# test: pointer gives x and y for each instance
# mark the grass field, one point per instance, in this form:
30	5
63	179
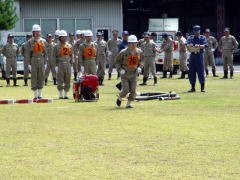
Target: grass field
197	137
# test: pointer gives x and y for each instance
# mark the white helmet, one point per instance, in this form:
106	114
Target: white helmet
79	32
83	32
57	32
62	33
132	38
88	33
36	27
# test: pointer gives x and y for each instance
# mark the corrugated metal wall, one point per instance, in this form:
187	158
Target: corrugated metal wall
104	13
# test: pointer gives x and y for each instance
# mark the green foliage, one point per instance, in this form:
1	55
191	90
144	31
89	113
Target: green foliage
8	16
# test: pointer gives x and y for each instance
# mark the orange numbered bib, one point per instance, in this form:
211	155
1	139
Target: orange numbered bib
38	47
64	51
132	60
89	52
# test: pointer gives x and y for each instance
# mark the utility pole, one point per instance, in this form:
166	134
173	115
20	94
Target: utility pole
220	17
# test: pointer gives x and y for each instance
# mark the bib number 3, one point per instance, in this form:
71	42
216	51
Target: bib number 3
89	52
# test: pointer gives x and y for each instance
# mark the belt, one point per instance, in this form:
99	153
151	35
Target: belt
227	49
149	56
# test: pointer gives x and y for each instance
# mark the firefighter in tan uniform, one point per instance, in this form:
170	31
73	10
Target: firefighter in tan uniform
36	57
101	57
149	53
56	36
71	39
141	41
113	52
129	64
50	65
87	54
227	45
23	52
182	54
209	52
10	51
167	48
63	59
80	40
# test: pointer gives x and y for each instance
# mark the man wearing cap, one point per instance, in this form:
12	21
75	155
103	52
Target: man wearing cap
167	48
196	44
101	46
23	52
10	51
153	37
209	52
71	39
87	54
182	54
63	59
227	45
80	40
113	51
149	52
36	57
141	41
50	65
129	64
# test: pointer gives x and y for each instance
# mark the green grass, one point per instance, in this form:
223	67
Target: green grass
197	137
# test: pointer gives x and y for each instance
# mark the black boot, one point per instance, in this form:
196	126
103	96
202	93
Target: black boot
214	73
25	82
15	82
192	89
75	76
225	75
164	75
170	75
155	79
46	80
202	87
206	72
182	75
144	81
102	81
8	82
231	74
109	76
119	86
54	81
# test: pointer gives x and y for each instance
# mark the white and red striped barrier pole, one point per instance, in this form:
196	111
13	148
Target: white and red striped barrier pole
7	101
24	101
47	100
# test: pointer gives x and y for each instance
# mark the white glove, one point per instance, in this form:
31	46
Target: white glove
82	69
56	69
139	70
29	67
213	50
45	66
96	66
122	72
109	53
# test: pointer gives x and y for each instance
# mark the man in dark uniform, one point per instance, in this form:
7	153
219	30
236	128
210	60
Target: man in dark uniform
195	44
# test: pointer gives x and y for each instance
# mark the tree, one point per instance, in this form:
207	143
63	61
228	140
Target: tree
8	15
